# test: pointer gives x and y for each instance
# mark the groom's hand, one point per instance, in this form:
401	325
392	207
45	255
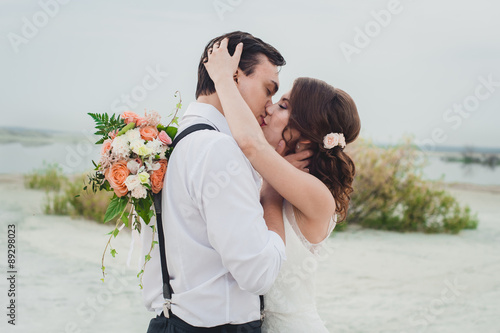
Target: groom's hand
221	65
299	159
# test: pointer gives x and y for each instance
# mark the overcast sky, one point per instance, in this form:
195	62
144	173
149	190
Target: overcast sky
423	68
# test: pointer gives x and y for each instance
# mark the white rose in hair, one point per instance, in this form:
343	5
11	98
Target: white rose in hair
331	140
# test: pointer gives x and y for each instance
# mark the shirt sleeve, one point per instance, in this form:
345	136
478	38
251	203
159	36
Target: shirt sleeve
228	195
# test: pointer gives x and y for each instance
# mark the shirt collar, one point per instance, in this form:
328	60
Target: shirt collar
210	113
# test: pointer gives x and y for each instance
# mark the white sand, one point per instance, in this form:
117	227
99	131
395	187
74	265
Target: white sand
372	281
377	281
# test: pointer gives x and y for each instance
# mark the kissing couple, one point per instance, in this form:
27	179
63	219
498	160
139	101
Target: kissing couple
252	191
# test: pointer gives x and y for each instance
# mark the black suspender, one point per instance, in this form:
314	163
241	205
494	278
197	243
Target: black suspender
189	130
167	287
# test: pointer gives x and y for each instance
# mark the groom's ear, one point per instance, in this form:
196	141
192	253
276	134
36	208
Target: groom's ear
236	76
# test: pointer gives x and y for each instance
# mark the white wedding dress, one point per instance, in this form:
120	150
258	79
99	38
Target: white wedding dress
290	303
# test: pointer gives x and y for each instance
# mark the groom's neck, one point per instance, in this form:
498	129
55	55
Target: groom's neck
213	100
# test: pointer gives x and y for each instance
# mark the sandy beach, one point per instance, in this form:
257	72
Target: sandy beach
368	280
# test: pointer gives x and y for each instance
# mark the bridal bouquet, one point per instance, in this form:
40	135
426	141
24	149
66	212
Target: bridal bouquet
132	165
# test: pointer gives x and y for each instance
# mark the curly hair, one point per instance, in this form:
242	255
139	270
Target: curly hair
318	109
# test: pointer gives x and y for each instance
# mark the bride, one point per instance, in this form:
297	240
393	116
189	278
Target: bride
314	117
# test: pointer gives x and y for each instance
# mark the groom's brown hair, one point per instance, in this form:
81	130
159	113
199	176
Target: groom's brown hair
252	48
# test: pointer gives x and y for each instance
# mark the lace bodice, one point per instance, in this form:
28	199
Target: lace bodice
290	304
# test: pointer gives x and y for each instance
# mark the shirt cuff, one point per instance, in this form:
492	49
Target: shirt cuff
278	243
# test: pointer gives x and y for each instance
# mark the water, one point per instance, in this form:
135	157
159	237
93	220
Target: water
72	157
76	158
453	172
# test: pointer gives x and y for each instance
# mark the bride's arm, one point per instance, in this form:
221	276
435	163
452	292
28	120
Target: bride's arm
302	190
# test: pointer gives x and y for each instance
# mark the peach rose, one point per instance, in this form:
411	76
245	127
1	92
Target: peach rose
157	176
130	117
141	122
106	146
148	133
163	137
116	176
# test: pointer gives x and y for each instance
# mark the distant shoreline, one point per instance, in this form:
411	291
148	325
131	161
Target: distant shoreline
494	189
38	137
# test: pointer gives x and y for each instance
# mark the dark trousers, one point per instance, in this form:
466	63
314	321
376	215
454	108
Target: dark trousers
174	324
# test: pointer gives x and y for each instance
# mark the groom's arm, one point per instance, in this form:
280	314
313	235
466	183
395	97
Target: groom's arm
225	189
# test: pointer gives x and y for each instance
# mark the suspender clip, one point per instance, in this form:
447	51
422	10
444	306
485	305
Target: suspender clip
166	308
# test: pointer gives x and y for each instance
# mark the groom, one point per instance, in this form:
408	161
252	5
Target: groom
221	255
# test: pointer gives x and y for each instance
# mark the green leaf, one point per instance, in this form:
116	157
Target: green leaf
142	207
147	257
113	252
115	232
171	131
116	207
125	129
125	220
142	271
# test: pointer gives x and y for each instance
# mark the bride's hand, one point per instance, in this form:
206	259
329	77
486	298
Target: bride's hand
300	159
220	64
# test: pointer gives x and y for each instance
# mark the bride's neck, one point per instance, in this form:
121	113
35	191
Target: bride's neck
213	100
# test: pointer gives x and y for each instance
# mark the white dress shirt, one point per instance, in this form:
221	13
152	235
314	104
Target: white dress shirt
220	253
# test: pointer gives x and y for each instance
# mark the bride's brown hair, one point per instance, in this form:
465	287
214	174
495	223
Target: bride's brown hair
318	109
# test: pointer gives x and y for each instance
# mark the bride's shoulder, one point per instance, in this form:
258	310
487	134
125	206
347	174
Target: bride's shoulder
314	231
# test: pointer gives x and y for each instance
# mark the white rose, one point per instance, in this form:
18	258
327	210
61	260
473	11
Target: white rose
140	192
133	166
136	145
133	135
120	147
132	182
154	145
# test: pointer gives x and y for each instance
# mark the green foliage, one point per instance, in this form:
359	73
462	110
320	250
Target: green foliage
49	177
115	208
72	200
171	131
105	124
391	194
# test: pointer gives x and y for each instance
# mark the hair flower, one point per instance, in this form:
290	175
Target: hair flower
334	139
